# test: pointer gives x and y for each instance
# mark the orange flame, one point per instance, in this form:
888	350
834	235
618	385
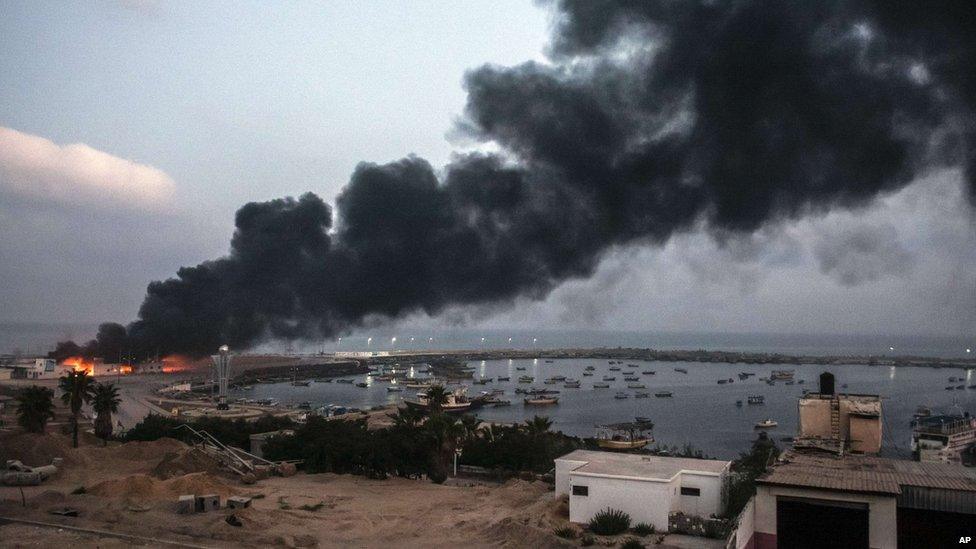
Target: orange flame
79	364
125	369
176	363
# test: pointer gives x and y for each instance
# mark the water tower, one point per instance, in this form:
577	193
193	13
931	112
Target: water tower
221	362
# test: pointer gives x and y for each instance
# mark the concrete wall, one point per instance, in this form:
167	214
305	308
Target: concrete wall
865	434
563	469
882	513
644	501
709	502
814	418
746	527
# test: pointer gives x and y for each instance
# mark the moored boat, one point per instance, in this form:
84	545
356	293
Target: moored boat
636	386
541	400
625	436
756	399
621	395
664	394
681	370
601	385
766	424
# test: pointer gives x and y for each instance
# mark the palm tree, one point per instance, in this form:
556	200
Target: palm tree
105	401
538	425
437	397
76	389
35	405
406	417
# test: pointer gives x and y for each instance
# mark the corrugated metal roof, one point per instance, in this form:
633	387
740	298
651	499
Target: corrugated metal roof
852	473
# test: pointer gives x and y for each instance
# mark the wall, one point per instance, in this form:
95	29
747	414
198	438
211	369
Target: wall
709	502
563	469
815	418
644	501
865	434
882	513
746	527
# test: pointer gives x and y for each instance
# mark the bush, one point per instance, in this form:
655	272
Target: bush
643	529
609	522
632	543
587	540
567	532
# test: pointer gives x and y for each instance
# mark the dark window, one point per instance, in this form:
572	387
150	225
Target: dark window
690	491
581	490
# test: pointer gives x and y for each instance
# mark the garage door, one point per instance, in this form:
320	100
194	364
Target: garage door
812	523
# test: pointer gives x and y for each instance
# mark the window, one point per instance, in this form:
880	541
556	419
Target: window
581	490
690	491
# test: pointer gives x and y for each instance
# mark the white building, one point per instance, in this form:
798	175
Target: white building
29	368
648	488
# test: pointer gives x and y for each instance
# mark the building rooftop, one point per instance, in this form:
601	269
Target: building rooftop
640	466
866	474
857	397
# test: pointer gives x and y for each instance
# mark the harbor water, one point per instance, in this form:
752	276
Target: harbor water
701	412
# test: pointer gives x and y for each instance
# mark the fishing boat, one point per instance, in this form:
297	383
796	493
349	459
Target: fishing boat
642	394
681	370
756	399
589	368
394	389
548	362
723	381
648	372
664	394
482	381
572	384
631	378
609	378
601	385
630	373
587	373
541	400
952	380
520	368
345	381
501	403
301	383
504	378
766	424
362	385
636	386
621	395
457	402
781	374
791	382
632	365
950	388
526	379
624	436
550	381
614	368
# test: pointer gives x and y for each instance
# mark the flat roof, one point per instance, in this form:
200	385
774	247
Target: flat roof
640	466
865	474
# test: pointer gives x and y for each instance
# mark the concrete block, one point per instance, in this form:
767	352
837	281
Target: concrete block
238	502
208	502
186	505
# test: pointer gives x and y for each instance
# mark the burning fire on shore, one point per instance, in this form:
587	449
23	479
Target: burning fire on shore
80	364
176	363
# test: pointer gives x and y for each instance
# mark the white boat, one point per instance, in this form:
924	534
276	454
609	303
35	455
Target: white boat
541	401
624	436
766	424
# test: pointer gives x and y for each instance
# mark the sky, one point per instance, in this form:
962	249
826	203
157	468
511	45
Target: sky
131	132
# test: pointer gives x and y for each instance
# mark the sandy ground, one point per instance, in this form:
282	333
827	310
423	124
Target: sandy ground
131	490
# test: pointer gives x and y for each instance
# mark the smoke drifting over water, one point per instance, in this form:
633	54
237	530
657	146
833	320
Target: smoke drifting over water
653	118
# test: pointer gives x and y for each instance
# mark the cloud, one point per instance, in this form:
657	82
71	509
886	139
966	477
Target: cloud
37	169
862	253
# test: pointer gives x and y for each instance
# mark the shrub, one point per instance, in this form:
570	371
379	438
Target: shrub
643	529
567	532
632	543
587	540
610	522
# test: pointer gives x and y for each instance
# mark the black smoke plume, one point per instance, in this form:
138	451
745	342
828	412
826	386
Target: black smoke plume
652	117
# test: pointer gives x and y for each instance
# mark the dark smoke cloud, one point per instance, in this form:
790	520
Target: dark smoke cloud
655	117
